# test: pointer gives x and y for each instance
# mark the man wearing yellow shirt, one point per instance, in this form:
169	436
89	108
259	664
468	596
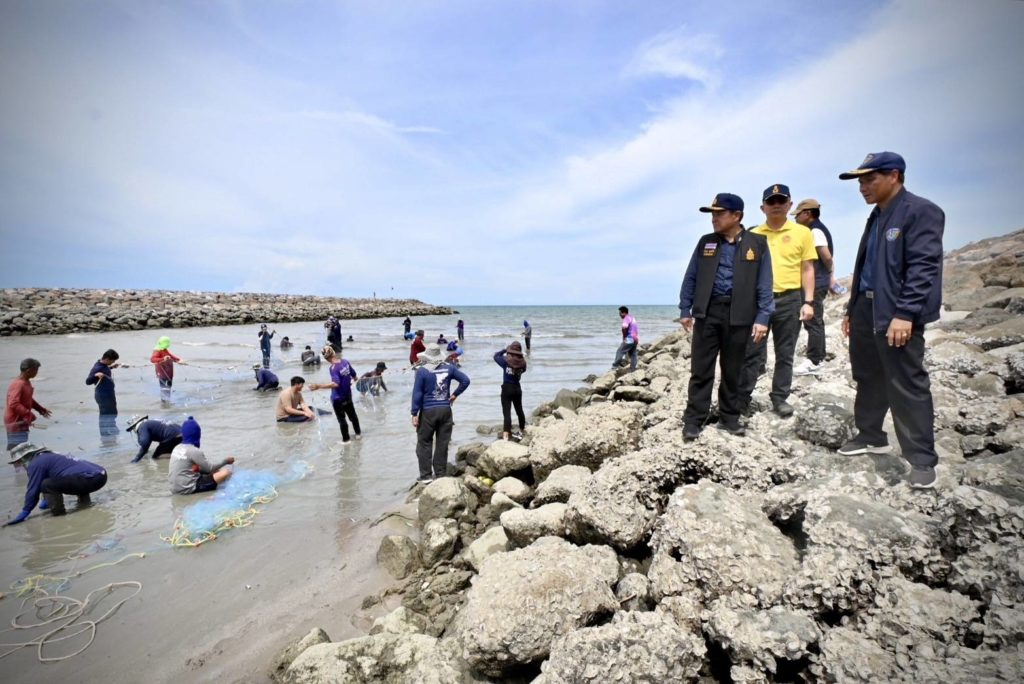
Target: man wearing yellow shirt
792	250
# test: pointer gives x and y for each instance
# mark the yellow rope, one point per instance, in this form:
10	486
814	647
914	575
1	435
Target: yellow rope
182	536
51	608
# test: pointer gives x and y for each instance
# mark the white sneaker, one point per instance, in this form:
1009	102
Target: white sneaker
806	367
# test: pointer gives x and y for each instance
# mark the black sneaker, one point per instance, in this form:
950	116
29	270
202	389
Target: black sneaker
783	409
734	430
922	477
858	446
690	433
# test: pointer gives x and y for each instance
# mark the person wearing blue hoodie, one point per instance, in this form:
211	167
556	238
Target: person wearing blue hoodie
103	379
432	400
527	334
190	472
54	475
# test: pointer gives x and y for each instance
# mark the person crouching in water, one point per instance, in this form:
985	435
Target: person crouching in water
190	472
167	435
54	475
373	382
265	379
342	377
513	365
309	358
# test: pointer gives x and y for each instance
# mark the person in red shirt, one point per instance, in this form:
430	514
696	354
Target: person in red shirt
163	362
417	347
18	416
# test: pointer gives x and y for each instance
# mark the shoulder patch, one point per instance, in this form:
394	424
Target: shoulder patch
892	234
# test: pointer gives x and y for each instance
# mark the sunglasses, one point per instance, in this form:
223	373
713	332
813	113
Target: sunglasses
776	200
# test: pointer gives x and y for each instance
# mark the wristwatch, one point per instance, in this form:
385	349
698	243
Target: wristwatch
809	302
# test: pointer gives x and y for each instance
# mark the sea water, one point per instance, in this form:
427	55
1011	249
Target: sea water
320	484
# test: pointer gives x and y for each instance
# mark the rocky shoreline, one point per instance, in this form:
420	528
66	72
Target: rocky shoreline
604	548
37	311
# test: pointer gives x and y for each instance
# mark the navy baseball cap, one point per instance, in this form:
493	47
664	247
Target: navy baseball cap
876	161
777	190
724	201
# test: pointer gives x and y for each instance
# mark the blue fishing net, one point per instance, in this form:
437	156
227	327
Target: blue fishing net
233	503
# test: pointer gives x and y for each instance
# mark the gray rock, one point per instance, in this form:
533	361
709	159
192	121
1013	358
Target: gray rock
293	650
633	647
437	542
493	541
561	484
568	399
524	526
513	488
501	503
399	621
847	656
379	658
633	592
717	542
470	453
502	458
759	638
825	421
398	555
445	497
563	413
524	599
635	393
595	434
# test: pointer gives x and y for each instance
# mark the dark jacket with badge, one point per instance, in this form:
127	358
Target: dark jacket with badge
908	263
752	300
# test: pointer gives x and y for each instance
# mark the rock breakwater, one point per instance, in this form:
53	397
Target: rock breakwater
606	549
34	311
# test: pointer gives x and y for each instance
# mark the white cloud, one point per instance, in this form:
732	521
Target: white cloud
677	54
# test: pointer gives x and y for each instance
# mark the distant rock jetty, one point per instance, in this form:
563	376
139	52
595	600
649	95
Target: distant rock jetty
36	311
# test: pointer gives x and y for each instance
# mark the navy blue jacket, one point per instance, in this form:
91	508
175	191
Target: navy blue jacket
105	387
907	278
265	338
155	431
47	464
432	387
510	376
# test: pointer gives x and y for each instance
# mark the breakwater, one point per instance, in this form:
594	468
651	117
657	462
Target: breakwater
40	311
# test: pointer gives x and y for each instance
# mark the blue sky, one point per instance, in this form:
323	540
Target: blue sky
477	152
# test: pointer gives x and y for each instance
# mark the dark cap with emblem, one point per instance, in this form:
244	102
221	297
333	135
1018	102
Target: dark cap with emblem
724	201
876	161
777	190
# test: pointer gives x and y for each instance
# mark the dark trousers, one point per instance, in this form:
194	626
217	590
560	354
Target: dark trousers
435	430
816	327
715	339
266	357
527	340
342	408
891	378
76	485
512	395
108	413
784	327
15	437
164	448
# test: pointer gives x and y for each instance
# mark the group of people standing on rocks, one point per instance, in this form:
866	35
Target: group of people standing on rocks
742	284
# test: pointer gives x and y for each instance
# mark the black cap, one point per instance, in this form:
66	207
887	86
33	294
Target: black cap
724	201
777	190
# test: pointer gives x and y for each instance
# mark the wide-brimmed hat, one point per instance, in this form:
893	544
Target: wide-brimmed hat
514	348
24	449
257	366
163	343
134	421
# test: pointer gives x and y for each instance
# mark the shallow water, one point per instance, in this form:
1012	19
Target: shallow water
248	581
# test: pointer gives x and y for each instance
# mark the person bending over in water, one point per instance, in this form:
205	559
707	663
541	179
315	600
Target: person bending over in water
265	379
373	382
166	435
55	475
190	472
309	358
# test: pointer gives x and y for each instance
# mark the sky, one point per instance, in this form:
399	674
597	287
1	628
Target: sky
475	151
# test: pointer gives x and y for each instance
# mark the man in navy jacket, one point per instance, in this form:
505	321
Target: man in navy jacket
432	401
897	289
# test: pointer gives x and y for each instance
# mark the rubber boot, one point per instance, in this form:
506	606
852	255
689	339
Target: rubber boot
84	500
56	503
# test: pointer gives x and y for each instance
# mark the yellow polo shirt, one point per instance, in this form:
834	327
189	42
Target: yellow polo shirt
789	246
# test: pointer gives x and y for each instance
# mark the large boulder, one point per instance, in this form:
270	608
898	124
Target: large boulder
758	639
825	420
292	651
524	526
524	599
384	657
398	555
503	458
493	541
437	542
595	434
513	488
399	621
718	542
561	484
633	647
445	497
